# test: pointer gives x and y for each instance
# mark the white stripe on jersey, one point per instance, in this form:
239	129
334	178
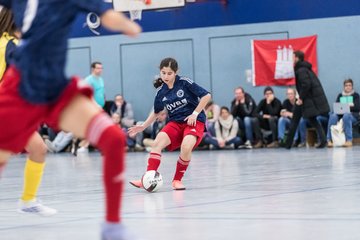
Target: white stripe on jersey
159	88
29	15
187	79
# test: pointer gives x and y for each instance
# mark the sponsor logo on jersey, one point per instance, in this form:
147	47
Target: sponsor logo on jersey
176	105
164	99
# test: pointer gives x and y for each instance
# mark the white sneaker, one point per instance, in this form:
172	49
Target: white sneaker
50	146
248	144
35	207
114	231
83	150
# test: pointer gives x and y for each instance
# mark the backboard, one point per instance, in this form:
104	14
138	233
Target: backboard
131	5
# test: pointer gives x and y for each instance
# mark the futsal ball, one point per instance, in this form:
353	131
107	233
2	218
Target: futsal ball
152	181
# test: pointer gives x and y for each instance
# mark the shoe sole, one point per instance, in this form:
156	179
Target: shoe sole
179	189
135	185
33	213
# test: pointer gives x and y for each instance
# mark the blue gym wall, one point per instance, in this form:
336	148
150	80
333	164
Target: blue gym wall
215	50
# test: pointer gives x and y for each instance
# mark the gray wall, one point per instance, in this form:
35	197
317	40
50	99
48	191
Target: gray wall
215	57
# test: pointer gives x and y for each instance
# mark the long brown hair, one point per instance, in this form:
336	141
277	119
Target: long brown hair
7	23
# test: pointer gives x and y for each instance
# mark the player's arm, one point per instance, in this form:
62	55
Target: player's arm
198	91
139	128
202	103
191	120
110	19
151	118
118	22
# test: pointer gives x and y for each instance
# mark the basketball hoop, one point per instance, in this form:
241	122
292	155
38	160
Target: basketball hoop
136	13
135	7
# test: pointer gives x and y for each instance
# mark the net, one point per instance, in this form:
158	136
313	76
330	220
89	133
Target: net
135	14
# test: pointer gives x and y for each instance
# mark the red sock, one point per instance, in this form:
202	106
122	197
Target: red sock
110	139
181	167
153	161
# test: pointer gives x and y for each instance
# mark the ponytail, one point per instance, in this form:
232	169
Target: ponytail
158	82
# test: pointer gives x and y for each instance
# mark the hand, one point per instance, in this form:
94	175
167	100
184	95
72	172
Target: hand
191	120
118	22
299	102
351	104
221	143
132	131
283	113
286	114
266	116
242	101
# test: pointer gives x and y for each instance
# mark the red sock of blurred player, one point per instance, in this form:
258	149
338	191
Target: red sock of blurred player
110	139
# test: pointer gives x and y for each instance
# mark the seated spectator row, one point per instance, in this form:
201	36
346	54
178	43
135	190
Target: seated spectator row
246	124
266	123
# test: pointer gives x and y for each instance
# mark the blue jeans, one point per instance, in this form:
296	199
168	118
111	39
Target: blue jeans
304	124
283	125
247	126
211	128
348	120
211	140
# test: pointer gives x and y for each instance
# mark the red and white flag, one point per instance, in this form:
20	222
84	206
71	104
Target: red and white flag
272	60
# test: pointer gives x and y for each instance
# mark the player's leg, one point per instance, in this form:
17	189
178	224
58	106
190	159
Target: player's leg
33	173
161	141
183	162
192	138
85	120
4	156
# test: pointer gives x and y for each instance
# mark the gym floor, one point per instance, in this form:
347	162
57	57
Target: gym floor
243	194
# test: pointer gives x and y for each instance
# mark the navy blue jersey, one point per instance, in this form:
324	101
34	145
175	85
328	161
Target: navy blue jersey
181	100
10	49
41	54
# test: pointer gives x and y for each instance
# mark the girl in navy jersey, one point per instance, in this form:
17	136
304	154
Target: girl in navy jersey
184	100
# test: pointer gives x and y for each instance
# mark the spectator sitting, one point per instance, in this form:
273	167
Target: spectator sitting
154	129
242	108
125	111
212	112
286	114
268	112
226	129
61	141
352	98
130	142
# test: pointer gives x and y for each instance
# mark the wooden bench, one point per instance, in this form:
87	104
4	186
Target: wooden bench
311	136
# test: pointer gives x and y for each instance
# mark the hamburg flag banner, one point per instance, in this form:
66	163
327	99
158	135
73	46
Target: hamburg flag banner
272	60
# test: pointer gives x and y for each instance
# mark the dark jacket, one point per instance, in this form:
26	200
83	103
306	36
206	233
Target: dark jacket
114	108
310	91
272	109
356	100
243	109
